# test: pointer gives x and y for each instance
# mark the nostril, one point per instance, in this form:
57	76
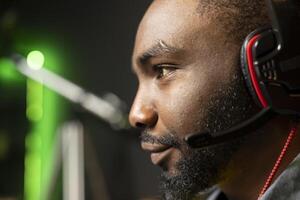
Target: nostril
140	125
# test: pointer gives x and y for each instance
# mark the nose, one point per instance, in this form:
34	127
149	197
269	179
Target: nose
142	114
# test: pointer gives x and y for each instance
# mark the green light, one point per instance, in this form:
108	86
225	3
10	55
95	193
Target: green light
45	112
34	113
35	60
8	71
34	100
42	112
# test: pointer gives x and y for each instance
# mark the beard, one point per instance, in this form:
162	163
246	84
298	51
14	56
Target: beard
197	171
200	169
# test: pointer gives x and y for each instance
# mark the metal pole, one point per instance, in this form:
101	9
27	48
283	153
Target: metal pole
73	161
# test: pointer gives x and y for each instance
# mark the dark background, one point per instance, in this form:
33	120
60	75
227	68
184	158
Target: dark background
96	39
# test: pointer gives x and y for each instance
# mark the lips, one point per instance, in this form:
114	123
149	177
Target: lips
159	152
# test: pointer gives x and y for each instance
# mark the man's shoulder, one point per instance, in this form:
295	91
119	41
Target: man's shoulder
287	185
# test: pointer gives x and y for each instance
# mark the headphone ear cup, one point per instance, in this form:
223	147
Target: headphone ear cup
245	70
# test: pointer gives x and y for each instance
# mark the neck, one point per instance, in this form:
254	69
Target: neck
251	166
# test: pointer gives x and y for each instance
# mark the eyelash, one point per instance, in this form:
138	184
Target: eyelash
158	69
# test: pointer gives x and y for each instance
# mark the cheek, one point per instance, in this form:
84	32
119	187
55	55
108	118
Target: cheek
186	101
183	110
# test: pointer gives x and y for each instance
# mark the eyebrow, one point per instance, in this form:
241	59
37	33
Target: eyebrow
158	49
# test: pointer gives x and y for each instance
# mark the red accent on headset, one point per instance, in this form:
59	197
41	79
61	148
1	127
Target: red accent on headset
252	72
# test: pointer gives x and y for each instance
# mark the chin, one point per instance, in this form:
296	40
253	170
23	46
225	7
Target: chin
196	171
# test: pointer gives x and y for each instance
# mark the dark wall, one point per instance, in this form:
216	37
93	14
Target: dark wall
96	39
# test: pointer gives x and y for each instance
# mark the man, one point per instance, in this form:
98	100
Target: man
186	58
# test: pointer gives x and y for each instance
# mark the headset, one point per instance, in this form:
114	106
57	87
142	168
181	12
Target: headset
270	62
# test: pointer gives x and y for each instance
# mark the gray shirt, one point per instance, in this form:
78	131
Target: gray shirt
285	187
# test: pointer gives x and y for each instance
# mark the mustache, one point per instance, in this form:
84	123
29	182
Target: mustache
168	139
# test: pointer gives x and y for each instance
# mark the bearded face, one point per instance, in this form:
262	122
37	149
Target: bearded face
189	81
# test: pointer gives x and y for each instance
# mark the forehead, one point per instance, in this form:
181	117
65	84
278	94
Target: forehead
178	24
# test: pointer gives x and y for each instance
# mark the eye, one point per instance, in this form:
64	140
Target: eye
164	70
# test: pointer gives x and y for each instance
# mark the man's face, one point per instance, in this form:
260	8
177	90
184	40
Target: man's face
188	82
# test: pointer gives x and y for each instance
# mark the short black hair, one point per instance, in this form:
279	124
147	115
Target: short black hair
237	18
